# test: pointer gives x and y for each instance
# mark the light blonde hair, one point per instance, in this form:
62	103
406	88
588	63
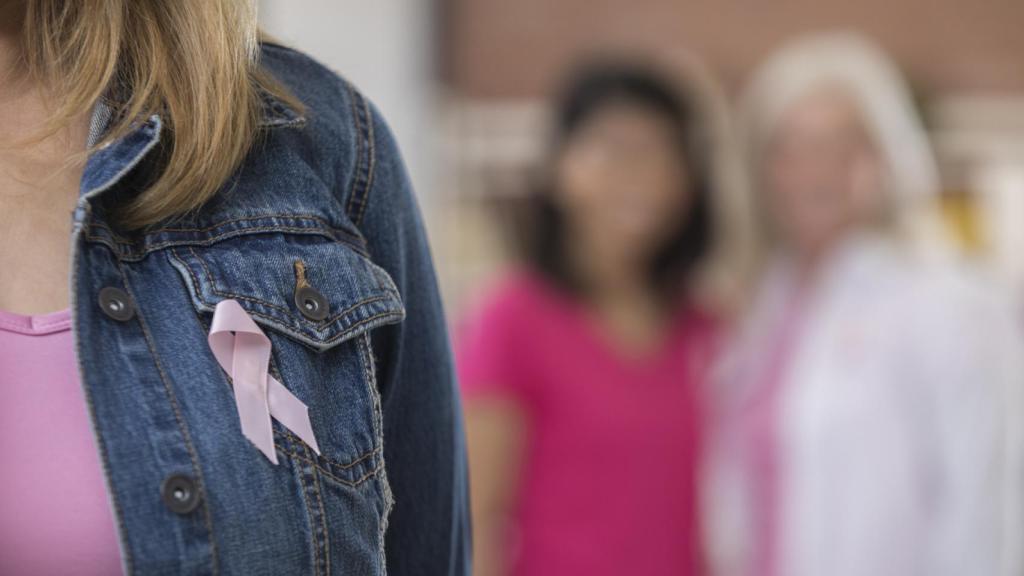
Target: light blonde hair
193	62
861	71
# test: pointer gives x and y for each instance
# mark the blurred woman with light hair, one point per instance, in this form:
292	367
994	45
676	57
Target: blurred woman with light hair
862	407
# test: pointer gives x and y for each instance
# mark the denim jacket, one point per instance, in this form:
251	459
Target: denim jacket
190	494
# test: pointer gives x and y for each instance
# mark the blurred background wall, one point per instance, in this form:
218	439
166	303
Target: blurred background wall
497	49
464	82
387	48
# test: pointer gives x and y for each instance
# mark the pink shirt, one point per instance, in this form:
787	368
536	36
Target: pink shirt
55	517
757	422
609	481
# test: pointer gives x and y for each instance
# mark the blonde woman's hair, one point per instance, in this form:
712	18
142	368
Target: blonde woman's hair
193	62
860	70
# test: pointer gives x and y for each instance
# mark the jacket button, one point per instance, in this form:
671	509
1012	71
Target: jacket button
115	303
311	303
180	494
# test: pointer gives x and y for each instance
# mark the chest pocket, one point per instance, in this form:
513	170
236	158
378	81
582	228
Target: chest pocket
316	299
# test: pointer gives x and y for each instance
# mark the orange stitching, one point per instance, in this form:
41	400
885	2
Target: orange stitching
351	464
328	460
370	371
309	512
346	332
350	309
217	291
323	514
341	335
373	161
358	324
323	522
353	97
301	216
191	273
137	255
350	483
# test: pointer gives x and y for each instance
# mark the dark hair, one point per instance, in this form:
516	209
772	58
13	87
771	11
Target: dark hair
589	92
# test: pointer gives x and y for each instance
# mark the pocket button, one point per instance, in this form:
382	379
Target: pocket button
311	303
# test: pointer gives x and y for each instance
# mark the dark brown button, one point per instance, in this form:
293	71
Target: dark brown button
180	494
117	304
311	303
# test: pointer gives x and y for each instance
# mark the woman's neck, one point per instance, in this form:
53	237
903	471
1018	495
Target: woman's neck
620	295
40	176
608	273
811	263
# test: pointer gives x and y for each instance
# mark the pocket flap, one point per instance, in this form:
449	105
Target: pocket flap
265	272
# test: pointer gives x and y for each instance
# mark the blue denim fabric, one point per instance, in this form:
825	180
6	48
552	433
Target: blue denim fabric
388	491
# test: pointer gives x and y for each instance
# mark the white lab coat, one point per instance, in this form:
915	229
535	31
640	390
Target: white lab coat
897	424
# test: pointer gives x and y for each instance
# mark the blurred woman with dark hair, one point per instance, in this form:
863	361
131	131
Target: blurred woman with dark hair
581	370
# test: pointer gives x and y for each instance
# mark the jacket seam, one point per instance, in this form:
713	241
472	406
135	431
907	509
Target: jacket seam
323	516
321	325
340	336
354	191
328	462
303	216
350	483
310	489
370	370
317	563
139	255
364	163
372	159
217	291
312	518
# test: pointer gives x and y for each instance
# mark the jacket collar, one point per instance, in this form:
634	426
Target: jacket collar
276	113
107	165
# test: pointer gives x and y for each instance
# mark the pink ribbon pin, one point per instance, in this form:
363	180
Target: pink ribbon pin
243	351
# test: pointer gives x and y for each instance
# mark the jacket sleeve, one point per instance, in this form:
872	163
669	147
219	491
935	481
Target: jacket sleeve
424	450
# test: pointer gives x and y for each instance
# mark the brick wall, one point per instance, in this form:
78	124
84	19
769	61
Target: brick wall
516	48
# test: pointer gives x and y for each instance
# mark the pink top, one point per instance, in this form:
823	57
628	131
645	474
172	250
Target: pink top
762	444
757	423
56	517
609	479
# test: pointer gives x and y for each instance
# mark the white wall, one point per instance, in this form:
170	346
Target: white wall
386	48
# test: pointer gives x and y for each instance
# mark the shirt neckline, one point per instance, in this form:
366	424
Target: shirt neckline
588	326
35	324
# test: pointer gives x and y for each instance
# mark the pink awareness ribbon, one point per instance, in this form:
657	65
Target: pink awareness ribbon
243	351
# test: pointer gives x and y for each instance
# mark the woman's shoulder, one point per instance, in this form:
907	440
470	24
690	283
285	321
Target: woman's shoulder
322	90
496	335
337	120
516	296
325	162
336	145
